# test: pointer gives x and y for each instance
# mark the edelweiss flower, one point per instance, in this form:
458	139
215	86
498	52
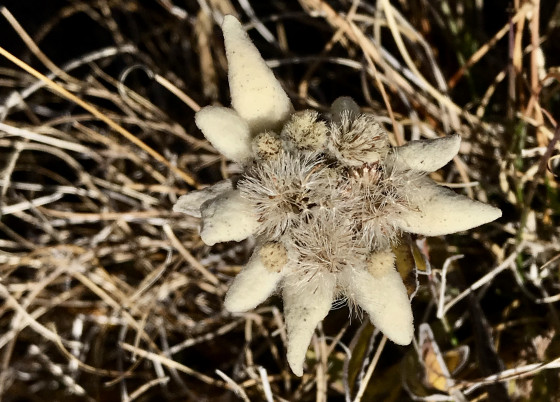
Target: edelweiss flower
326	199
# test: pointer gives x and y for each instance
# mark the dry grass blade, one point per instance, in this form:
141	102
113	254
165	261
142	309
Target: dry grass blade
365	381
173	364
68	95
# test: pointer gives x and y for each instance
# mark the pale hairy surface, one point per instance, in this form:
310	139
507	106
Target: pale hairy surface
226	131
385	299
256	94
439	210
426	155
304	308
190	203
227	218
253	285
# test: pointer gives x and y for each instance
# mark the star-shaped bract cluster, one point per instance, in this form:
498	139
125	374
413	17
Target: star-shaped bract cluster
326	198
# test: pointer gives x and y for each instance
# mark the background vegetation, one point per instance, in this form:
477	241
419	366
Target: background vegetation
108	295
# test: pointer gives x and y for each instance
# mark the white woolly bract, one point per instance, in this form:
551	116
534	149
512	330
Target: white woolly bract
358	140
438	210
228	217
256	94
252	285
226	131
304	307
190	203
385	300
425	155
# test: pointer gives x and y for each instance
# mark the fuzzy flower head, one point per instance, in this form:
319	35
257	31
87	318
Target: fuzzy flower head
326	196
